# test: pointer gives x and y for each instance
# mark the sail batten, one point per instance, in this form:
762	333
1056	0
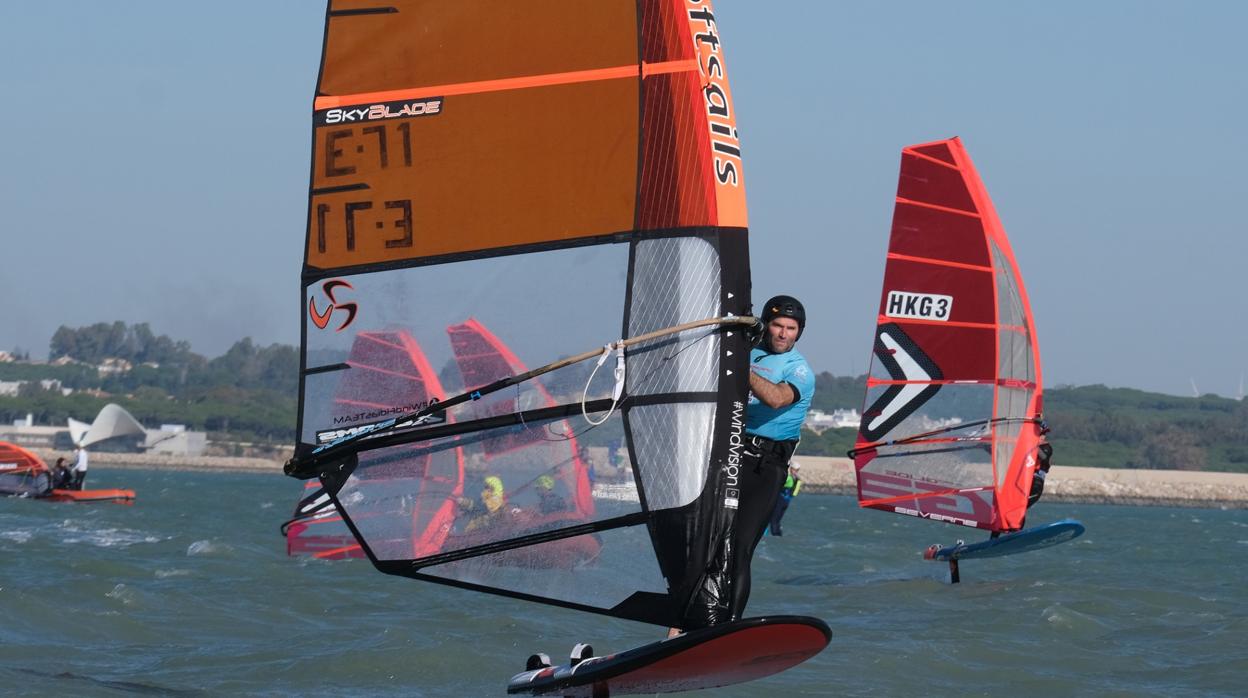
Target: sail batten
643	70
937	207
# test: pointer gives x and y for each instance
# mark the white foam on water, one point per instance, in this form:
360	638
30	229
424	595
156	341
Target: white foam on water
206	547
165	574
124	594
17	536
74	533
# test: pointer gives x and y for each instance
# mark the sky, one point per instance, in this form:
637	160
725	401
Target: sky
155	168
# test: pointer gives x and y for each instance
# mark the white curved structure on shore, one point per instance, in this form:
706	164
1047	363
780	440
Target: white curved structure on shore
111	422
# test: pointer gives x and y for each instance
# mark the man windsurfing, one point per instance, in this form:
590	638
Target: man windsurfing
781	387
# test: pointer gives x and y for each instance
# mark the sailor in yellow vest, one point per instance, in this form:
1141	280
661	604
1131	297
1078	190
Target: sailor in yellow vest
792	485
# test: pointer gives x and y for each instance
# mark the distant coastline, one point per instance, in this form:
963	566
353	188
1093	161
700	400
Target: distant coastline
1066	483
163	461
1171	488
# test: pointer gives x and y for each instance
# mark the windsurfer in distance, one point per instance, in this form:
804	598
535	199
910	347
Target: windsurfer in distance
781	387
792	486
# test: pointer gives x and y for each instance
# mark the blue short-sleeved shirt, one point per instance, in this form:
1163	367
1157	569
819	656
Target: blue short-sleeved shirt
784	424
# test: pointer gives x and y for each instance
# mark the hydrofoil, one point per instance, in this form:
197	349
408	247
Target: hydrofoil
1023	541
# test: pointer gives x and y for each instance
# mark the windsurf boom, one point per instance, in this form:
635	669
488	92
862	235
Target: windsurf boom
952	415
567	174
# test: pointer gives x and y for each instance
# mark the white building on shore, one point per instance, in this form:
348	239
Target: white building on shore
818	420
113	429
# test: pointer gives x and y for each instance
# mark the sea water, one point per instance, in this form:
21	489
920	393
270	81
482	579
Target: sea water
190	593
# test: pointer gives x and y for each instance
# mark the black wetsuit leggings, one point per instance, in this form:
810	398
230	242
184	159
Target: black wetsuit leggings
764	467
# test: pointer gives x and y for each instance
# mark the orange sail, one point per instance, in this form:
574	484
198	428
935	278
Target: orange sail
569	175
22	473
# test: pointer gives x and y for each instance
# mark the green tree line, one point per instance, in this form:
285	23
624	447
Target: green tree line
1095	426
249	393
246	394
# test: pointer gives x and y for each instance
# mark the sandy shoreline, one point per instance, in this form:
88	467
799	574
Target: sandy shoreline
1067	483
835	476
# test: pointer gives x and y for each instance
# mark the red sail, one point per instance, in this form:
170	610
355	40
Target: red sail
386	373
482	359
951	419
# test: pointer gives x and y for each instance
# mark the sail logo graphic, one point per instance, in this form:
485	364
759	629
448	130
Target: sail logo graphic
919	306
332	437
732	469
399	410
725	142
913	373
386	110
321	319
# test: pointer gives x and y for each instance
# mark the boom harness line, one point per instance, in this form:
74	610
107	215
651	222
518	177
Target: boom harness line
616	392
326	456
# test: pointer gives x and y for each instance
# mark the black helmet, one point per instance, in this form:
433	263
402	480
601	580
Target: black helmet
785	306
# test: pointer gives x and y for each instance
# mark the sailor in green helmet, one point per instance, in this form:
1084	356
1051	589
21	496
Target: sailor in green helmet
489	509
549	501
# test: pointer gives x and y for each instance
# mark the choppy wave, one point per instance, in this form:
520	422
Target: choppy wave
17	536
74	533
207	547
176	596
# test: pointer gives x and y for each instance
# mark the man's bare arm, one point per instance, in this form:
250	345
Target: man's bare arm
774	395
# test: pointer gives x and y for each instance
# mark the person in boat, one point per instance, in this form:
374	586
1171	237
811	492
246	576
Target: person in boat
62	476
488	510
80	468
781	387
792	485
